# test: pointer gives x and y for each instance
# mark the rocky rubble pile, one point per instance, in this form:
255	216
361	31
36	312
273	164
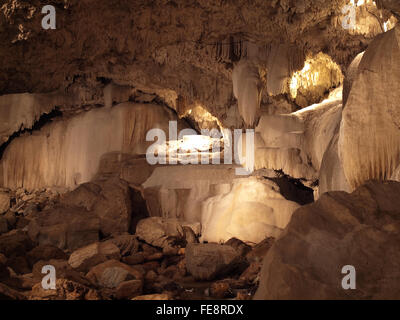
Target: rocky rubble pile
97	255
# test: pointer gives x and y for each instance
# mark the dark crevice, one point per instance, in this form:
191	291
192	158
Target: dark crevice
293	189
43	120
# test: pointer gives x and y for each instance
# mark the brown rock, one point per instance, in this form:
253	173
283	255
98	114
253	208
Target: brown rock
65	228
158	231
85	258
151	275
63	270
129	289
162	296
111	273
189	235
220	289
19	264
361	229
251	273
208	261
109	200
11	220
154	256
128	244
7	293
65	290
260	250
4	201
238	245
151	265
15	243
3	259
3	225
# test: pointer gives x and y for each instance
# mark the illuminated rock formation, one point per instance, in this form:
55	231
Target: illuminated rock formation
369	137
67	152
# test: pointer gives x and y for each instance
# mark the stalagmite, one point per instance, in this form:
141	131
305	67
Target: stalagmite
369	137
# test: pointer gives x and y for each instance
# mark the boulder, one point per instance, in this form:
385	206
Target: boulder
63	270
136	258
6	293
361	229
65	227
210	260
159	232
45	252
4	201
3	225
111	273
161	296
65	290
15	243
129	289
109	200
84	258
241	247
128	244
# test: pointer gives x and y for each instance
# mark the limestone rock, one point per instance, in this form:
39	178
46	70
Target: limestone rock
65	290
360	229
45	252
109	200
127	244
65	227
15	243
158	231
6	293
129	289
4	202
85	258
63	271
211	260
3	225
111	273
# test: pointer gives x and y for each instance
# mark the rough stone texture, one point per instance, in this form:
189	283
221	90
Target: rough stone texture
162	296
250	209
371	114
111	273
65	227
6	293
45	252
15	243
65	290
361	229
208	261
129	289
3	225
63	271
4	202
109	200
158	231
85	258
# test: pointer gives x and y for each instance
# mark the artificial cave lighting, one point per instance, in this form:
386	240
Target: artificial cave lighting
364	18
202	117
319	74
196	142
